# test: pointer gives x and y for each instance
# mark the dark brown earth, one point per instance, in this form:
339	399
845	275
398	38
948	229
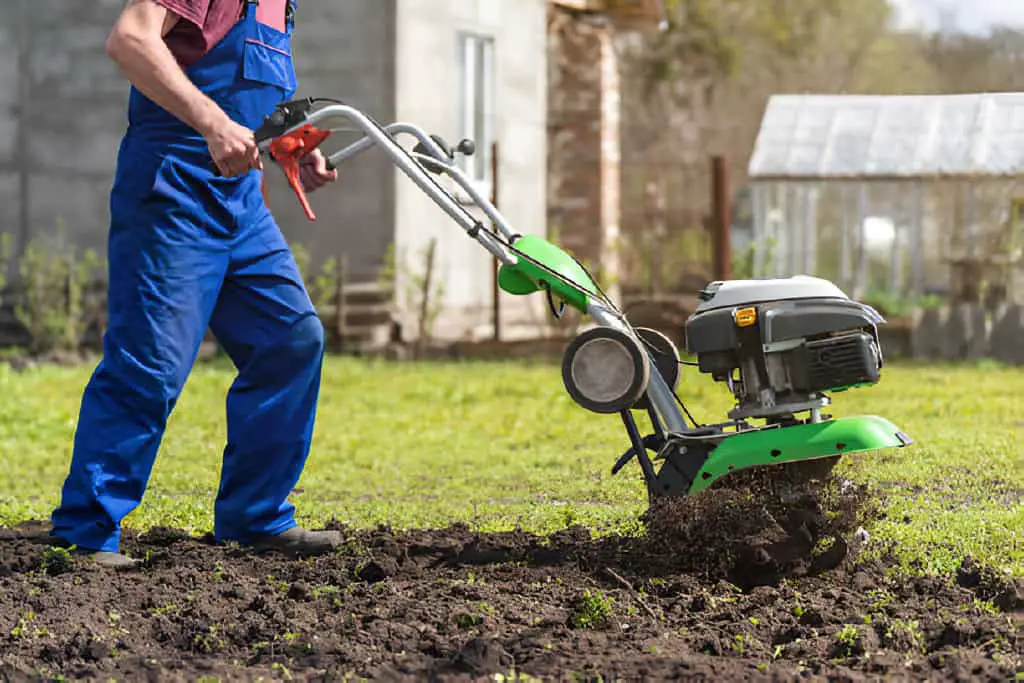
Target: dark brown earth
727	586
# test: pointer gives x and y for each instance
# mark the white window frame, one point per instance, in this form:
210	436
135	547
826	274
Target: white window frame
477	76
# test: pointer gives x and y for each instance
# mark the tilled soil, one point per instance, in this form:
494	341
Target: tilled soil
730	586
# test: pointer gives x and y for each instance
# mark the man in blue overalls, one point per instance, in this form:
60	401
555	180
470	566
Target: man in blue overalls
193	246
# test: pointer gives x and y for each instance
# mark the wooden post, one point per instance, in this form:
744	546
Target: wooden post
339	305
721	202
428	279
71	330
495	289
657	236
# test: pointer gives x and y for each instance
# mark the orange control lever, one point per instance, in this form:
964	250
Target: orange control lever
291	148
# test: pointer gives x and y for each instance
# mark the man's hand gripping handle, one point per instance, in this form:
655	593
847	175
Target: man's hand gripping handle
289	148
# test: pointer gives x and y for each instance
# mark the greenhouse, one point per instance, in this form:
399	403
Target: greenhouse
892	196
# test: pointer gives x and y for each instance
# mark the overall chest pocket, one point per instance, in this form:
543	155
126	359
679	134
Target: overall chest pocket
268	64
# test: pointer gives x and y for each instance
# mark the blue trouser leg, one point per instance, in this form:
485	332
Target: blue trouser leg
164	278
267	324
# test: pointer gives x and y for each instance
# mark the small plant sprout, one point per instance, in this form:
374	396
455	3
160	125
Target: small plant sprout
593	610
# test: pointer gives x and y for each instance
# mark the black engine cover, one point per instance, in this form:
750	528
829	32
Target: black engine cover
715	331
833	341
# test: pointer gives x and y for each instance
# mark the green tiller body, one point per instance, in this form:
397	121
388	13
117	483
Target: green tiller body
780	346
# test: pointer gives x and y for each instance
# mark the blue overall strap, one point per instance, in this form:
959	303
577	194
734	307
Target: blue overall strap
290	8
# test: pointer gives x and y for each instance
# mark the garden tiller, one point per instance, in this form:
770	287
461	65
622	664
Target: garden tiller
781	346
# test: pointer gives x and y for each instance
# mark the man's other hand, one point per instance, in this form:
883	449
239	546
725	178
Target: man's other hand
313	171
233	148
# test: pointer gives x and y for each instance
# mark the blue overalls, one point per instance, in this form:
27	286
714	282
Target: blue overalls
189	250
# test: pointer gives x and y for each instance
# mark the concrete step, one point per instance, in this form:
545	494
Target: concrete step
362	315
367	293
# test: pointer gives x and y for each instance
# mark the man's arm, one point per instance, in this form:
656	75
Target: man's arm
137	45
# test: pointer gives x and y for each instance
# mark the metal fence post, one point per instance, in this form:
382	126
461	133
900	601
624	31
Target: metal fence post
340	294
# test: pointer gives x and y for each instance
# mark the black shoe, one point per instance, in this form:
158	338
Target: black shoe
102	558
299	541
109	560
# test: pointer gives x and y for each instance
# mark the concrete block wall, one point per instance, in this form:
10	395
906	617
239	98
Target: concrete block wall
966	332
63	111
346	50
61	117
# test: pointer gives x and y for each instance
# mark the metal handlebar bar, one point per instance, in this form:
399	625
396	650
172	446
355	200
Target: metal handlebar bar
384	137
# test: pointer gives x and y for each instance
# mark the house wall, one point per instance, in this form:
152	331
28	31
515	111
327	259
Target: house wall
56	168
346	50
57	162
427	94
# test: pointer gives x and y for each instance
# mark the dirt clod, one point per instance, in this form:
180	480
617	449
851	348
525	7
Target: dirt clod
732	586
1005	592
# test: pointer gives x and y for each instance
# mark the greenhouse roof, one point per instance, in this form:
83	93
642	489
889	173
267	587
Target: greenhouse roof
903	136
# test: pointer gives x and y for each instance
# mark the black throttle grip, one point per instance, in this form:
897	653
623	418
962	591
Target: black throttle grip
272	126
285	116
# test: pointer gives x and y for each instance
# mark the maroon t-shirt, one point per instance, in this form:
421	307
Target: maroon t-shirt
204	23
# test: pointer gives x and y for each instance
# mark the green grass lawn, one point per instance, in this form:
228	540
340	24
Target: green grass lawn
498	445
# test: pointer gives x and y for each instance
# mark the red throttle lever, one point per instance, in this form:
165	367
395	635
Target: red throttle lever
287	150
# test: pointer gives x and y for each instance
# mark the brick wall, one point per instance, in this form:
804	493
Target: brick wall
583	138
